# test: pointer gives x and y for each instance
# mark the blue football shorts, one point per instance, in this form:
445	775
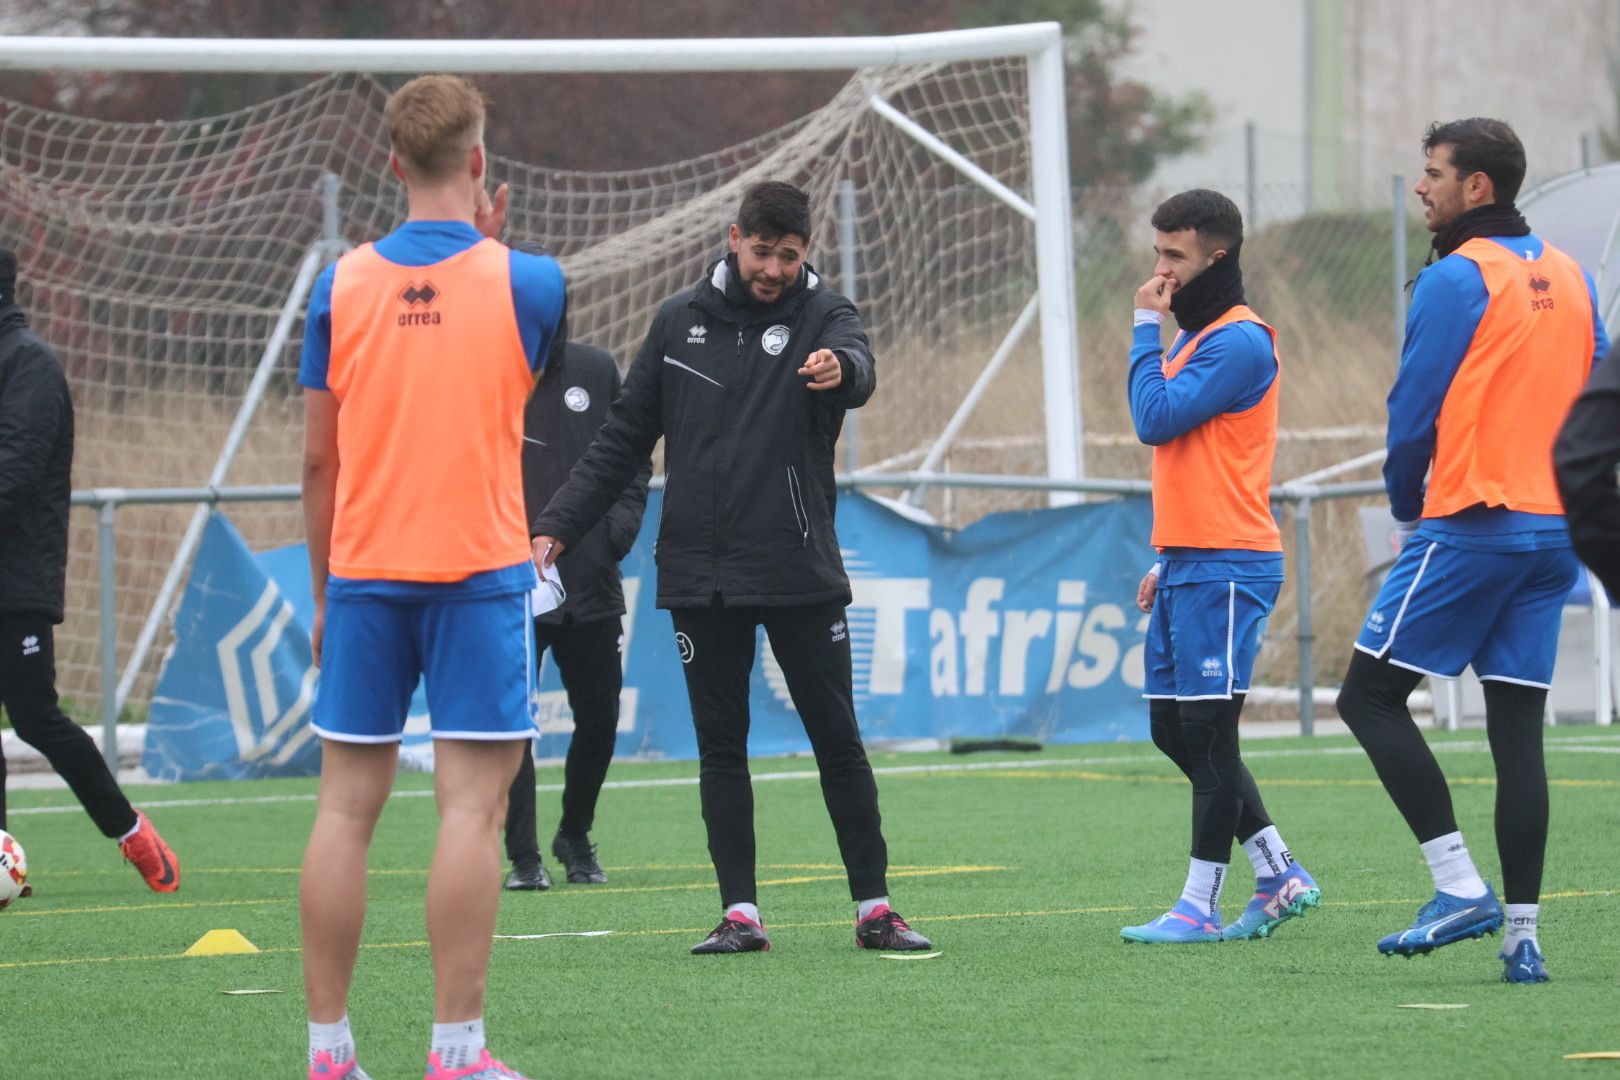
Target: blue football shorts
1202	638
1444	608
475	655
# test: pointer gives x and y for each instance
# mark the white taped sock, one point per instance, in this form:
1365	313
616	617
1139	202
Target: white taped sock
1452	867
1204	883
459	1044
746	911
869	906
335	1039
1267	853
1521	926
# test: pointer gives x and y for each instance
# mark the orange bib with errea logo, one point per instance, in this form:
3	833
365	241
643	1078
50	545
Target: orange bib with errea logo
431	379
1212	485
1529	358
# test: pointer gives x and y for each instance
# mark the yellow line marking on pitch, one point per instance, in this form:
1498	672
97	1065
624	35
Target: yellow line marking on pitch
27	913
1111	909
1153	778
822	925
802	879
595	890
420	870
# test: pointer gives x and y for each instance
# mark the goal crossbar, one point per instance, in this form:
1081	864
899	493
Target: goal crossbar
581	56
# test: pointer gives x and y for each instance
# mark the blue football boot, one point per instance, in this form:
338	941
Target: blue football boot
1276	900
1524	965
1443	920
1182	924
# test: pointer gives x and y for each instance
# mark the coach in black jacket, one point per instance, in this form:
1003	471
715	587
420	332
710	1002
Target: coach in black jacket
584	632
36	463
1585	456
746	376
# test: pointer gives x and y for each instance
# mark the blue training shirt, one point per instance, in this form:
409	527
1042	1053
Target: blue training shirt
1448	302
1230	371
537	299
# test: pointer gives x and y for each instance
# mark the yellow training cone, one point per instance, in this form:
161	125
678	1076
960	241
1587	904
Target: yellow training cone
221	943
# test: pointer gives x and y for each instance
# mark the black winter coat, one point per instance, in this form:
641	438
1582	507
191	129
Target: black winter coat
749	495
1585	455
36	463
565	412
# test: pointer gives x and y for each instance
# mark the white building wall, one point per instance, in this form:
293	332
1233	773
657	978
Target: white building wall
1547	67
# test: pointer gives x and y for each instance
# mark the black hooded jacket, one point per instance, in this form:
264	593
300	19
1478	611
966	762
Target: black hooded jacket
749	495
567	408
36	463
1585	456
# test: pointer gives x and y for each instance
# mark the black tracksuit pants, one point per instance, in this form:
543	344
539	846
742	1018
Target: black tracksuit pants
1201	737
28	694
1373	705
588	659
811	643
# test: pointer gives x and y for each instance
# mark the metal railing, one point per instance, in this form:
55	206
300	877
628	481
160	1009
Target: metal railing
1300	495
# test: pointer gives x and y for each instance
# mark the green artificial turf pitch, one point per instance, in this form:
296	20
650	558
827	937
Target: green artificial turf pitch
1022	868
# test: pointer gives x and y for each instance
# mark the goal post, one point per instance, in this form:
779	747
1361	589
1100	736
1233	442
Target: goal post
954	145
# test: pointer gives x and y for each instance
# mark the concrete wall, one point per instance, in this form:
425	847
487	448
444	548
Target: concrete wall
1369	75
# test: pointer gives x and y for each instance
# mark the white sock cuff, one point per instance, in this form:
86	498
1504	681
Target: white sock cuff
1519	925
1441	846
1205	880
1267	853
459	1032
458	1043
869	906
1452	867
747	911
334	1038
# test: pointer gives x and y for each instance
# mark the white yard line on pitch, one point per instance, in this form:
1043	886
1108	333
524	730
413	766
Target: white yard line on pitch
1609	744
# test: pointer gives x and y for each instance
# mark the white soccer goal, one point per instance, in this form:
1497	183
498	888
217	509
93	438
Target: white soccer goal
169	262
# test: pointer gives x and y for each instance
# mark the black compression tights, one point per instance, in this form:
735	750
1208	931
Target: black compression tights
1373	705
1201	737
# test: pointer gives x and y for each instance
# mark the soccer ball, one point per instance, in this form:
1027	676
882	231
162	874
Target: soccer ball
13	870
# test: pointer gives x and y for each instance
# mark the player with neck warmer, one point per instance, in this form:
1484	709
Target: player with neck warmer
1501	334
1208	407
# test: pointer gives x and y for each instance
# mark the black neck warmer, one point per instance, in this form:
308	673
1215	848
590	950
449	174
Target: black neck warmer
1492	219
1209	295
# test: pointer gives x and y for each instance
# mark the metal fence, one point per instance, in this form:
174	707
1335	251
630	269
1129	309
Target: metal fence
1299	498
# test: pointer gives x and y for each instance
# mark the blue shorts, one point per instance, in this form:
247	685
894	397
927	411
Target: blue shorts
1443	608
476	656
1202	638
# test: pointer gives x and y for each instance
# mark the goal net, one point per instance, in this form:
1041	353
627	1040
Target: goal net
157	259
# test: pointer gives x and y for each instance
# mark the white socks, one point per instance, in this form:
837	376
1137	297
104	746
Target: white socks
458	1045
1521	926
335	1039
1452	867
1203	888
1267	853
745	911
869	906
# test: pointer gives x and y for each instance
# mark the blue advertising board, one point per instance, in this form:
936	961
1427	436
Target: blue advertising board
1023	624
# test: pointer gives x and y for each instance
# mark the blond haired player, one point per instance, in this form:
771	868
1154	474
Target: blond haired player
420	351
